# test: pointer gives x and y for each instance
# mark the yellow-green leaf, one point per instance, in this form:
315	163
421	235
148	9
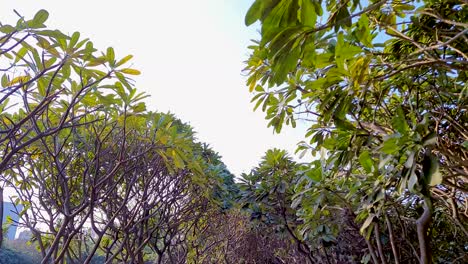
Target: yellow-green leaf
366	223
124	60
130	71
110	55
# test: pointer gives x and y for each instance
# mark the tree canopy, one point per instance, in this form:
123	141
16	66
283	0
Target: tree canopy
99	176
382	87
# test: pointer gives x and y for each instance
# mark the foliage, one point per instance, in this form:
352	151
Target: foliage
100	177
266	193
382	85
8	256
318	228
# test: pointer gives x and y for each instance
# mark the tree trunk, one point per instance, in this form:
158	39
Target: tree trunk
422	225
371	251
392	239
379	243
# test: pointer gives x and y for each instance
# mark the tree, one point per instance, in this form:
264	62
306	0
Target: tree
267	193
45	76
99	176
383	86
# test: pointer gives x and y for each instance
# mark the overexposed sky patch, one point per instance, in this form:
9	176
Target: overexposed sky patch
190	53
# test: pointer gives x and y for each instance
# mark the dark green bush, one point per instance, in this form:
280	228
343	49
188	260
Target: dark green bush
9	256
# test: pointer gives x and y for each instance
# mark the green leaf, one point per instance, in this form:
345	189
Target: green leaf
41	17
465	144
73	40
285	63
130	71
96	61
315	174
390	146
42	86
5	81
4	104
399	122
110	55
318	7
343	124
259	88
366	223
178	161
123	60
118	88
259	101
366	161
403	7
52	33
343	17
89	47
276	20
81	43
140	96
20	54
308	13
43	43
254	13
279	42
123	80
7	29
363	32
346	51
138	108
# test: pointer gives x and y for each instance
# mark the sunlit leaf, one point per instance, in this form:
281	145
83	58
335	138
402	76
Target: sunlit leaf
130	71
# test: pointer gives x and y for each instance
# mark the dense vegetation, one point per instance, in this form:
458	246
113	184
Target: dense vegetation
97	173
381	86
8	256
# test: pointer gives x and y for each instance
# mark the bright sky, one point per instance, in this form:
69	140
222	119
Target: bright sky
190	53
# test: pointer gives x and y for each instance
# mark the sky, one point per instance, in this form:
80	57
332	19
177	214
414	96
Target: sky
190	53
